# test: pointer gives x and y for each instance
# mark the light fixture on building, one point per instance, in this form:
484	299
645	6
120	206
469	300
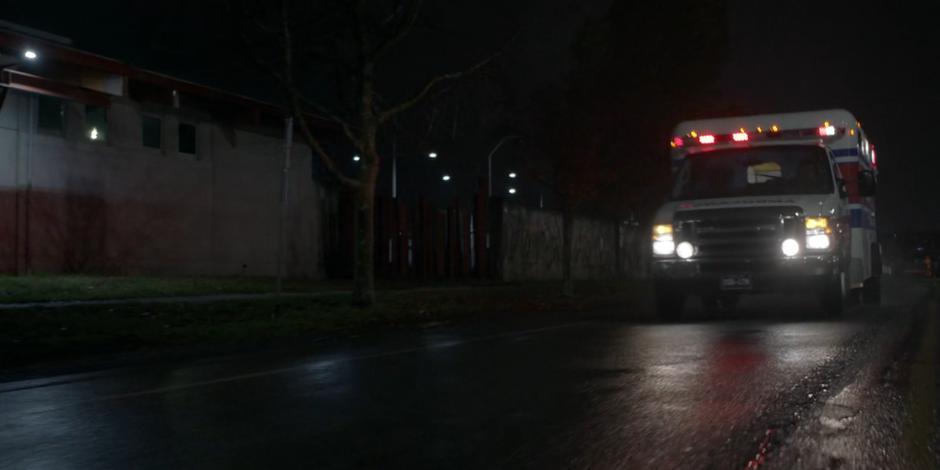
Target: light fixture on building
445	178
30	54
93	135
432	155
512	190
356	158
512	175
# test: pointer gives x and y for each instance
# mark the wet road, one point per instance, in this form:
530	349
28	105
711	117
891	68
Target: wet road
561	392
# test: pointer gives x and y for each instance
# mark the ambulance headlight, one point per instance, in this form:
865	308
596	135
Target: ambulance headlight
685	250
817	241
790	247
663	243
817	233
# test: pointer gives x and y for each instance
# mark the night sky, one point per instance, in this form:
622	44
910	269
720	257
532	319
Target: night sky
878	62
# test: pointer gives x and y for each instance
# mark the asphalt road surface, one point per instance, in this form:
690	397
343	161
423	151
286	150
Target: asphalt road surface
768	387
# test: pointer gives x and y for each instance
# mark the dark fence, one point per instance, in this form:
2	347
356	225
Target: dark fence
483	238
418	241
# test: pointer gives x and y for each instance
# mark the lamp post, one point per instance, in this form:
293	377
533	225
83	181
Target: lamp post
28	55
285	173
489	162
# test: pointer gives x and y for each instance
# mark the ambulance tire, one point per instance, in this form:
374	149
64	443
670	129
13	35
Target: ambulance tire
871	291
716	304
834	296
669	303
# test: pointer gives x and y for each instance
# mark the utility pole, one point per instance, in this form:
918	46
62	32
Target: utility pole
285	170
394	167
489	162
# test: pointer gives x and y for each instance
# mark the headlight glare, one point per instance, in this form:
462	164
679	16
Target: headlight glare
663	243
819	241
664	247
817	233
790	247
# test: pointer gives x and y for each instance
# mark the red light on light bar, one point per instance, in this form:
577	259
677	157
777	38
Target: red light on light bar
827	131
739	136
677	142
706	139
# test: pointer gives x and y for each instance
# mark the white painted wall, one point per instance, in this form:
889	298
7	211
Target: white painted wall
119	207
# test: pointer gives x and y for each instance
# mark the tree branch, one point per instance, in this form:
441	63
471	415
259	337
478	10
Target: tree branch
294	100
327	160
325	114
402	32
429	86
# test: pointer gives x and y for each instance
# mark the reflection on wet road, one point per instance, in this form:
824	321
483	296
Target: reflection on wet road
536	393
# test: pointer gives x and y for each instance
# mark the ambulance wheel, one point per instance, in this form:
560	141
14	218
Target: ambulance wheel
871	291
834	296
720	303
669	303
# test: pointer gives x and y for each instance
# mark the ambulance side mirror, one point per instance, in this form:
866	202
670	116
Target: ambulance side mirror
866	183
843	189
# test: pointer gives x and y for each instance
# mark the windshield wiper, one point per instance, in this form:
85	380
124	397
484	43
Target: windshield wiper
768	176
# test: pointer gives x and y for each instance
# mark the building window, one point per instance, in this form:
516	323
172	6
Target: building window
51	116
152	131
96	123
187	134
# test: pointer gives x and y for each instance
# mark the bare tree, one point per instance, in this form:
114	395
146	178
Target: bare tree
600	139
340	46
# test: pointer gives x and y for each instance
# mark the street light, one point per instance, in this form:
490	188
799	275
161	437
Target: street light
445	178
30	54
489	161
356	158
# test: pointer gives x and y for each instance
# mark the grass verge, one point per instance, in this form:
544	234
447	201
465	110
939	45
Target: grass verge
41	335
43	288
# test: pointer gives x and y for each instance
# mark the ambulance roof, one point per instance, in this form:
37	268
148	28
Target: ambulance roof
839	118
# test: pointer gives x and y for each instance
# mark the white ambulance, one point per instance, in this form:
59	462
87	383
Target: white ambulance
777	202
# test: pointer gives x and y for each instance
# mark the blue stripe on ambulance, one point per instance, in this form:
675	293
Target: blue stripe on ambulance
847	152
859	219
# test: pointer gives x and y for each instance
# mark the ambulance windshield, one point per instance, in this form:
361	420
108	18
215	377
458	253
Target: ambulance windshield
752	171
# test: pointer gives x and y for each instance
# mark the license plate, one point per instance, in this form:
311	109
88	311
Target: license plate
736	282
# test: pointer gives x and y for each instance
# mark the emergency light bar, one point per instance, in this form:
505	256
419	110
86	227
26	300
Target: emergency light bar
773	133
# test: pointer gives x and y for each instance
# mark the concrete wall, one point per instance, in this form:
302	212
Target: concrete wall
530	246
119	207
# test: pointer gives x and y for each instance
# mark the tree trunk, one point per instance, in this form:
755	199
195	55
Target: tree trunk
567	222
364	269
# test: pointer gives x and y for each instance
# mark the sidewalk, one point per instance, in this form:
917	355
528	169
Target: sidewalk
168	300
208	298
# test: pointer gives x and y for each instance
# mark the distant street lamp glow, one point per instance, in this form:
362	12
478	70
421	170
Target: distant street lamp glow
445	178
93	134
432	155
512	190
30	54
356	158
512	175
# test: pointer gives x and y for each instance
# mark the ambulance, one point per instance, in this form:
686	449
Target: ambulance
768	203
